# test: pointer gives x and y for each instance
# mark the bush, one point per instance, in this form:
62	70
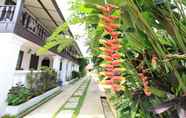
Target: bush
18	95
48	78
8	116
41	82
75	74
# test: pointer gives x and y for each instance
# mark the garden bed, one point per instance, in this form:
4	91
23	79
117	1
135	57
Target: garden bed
19	109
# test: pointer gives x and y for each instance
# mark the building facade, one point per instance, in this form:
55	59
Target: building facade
24	27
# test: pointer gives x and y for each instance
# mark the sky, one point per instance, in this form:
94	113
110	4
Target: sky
64	5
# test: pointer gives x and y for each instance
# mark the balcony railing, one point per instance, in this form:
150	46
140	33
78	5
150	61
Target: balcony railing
7	13
28	23
33	25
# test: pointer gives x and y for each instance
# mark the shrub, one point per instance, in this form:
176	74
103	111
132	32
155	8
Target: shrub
8	116
75	74
42	81
48	78
18	95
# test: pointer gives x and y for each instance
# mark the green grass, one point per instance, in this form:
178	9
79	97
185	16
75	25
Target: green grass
81	100
80	103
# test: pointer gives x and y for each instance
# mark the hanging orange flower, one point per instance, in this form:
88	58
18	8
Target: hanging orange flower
116	56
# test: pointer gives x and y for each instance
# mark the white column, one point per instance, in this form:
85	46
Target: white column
64	71
56	63
70	70
9	50
26	60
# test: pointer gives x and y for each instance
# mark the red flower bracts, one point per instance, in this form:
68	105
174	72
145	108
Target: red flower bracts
145	81
112	70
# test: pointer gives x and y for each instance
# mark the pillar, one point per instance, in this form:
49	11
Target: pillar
64	71
56	64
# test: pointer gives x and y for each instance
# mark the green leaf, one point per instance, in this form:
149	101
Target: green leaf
158	92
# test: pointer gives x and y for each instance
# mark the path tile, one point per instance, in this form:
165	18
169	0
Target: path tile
74	99
65	114
70	105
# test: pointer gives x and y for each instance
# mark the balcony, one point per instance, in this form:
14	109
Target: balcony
27	25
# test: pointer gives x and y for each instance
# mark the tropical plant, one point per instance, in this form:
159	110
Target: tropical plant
43	81
18	95
58	40
8	116
75	74
82	64
152	35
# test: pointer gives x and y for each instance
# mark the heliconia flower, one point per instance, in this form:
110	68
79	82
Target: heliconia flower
116	47
147	91
104	9
116	56
114	34
108	43
109	69
106	19
145	84
114	26
112	6
101	56
113	17
107	66
120	69
116	62
105	73
116	87
109	74
114	41
107	58
102	48
102	73
108	29
109	82
118	78
108	51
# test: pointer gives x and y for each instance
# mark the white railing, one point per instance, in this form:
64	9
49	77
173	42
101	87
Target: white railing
21	75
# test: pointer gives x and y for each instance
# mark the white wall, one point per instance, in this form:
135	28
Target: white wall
11	44
9	50
2	2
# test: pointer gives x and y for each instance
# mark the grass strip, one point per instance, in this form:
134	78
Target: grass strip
81	101
77	109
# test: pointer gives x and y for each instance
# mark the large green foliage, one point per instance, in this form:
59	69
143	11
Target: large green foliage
18	94
147	27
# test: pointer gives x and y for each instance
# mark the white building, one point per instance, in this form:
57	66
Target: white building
24	26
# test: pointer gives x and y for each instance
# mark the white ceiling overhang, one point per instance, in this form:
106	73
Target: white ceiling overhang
46	11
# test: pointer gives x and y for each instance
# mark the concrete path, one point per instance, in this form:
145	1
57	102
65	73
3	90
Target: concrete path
48	109
92	107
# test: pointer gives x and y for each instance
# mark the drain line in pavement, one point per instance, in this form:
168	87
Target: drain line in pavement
106	108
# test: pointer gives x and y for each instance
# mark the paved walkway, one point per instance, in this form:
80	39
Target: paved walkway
48	109
92	107
64	105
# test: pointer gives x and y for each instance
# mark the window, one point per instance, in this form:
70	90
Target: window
34	62
10	2
61	64
19	61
